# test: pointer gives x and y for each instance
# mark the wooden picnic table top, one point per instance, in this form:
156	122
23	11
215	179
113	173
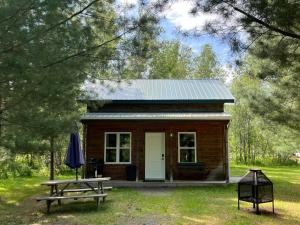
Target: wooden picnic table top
74	181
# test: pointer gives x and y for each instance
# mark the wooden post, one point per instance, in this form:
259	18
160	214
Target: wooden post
171	140
56	192
83	175
48	206
51	158
256	197
137	158
99	190
238	197
227	168
273	199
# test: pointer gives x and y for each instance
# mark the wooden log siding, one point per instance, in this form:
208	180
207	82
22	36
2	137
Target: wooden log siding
210	146
94	107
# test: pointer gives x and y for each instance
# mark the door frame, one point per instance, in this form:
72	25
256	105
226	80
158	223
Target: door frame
164	152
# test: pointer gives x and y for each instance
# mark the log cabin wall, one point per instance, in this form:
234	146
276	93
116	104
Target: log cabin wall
210	146
186	107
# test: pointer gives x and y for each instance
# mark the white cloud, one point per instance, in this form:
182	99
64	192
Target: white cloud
178	13
127	2
126	7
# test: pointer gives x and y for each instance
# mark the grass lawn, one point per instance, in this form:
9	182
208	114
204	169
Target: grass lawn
199	205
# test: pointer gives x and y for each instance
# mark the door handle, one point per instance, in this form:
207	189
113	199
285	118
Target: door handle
162	156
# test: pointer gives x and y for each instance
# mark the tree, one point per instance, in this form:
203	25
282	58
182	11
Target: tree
252	137
244	132
172	61
48	49
272	34
207	65
136	50
281	102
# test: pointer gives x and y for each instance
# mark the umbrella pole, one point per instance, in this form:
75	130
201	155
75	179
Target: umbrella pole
76	173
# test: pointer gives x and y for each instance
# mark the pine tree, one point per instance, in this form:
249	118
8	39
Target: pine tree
48	49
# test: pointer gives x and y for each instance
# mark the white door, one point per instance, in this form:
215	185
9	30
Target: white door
154	156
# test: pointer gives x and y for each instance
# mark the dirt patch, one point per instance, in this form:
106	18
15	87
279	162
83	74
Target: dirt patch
155	191
151	219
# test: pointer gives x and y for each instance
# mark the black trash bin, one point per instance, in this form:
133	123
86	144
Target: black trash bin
94	168
131	172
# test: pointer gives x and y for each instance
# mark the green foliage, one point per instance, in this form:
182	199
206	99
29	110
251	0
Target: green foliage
172	61
136	50
4	166
47	52
281	103
11	165
273	38
252	138
206	65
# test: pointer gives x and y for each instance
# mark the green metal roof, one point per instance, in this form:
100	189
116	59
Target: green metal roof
200	90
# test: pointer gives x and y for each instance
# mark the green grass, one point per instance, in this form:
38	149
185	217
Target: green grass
199	205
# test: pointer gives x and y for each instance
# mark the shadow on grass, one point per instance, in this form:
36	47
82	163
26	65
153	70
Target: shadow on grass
78	207
279	217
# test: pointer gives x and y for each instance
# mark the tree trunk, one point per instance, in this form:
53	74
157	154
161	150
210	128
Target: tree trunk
58	159
240	147
32	160
244	149
51	158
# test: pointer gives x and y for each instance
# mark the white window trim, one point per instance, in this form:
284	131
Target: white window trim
117	148
195	147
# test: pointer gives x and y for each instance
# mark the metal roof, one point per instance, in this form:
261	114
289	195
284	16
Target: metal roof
195	90
156	116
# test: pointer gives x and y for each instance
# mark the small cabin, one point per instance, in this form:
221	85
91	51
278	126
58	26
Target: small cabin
158	130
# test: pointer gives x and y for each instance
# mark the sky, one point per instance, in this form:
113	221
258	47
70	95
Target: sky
221	49
177	16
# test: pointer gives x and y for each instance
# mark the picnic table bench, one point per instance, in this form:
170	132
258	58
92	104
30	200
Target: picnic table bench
94	185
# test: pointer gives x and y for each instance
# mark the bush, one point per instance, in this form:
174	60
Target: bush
23	170
272	161
4	165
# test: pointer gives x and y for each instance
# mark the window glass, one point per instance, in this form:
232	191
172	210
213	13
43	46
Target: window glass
111	155
187	147
124	140
187	140
124	155
111	140
117	147
187	155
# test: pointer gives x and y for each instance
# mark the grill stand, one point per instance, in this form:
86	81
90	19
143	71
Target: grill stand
255	188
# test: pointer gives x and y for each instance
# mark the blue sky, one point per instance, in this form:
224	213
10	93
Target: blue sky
221	48
177	16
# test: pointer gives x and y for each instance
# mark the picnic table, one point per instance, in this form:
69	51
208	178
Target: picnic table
59	187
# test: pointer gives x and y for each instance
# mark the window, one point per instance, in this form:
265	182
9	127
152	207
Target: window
187	147
117	147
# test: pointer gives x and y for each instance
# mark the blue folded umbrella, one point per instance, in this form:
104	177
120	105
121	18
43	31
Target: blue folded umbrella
74	158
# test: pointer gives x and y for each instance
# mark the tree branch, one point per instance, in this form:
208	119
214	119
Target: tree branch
270	27
254	40
17	12
83	52
50	28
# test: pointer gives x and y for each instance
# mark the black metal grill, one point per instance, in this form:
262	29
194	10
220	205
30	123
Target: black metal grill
255	187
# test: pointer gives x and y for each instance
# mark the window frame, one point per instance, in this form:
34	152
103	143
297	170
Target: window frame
179	147
117	147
